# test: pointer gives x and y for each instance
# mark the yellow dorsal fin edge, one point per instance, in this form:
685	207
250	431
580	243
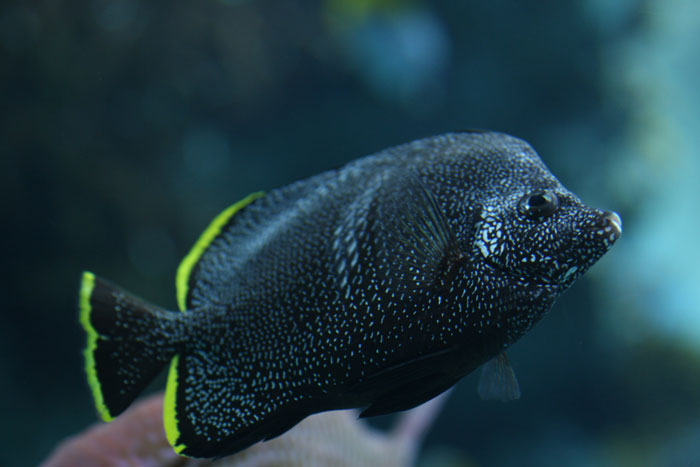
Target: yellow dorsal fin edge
208	236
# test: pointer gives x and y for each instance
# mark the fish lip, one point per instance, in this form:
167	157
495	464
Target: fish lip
614	221
608	226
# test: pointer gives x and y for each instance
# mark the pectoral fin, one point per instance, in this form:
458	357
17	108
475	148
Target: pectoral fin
498	381
413	236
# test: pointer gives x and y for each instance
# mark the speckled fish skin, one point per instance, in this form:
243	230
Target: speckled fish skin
378	285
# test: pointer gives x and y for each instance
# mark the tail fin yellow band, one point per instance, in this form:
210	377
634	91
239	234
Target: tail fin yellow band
87	286
128	343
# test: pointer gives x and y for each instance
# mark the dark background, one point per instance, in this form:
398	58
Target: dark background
127	125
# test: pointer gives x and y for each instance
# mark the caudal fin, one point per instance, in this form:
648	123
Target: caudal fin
129	342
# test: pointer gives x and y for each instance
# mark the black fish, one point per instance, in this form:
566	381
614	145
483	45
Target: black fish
378	285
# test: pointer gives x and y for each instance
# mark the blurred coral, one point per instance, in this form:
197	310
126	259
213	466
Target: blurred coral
136	438
339	438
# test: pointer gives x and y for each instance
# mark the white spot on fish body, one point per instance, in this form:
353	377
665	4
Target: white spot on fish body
568	274
484	251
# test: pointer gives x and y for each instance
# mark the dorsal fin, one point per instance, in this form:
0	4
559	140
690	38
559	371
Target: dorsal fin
218	263
184	271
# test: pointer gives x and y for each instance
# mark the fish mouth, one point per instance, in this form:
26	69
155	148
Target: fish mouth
541	282
609	227
615	222
489	261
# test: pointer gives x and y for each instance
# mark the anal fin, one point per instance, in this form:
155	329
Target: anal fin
410	395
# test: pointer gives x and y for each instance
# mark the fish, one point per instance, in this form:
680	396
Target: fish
377	285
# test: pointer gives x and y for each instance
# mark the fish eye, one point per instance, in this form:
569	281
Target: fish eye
539	204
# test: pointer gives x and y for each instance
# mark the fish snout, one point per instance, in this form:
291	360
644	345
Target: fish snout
609	226
615	221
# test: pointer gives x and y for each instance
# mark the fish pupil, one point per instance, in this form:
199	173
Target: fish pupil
537	201
540	204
